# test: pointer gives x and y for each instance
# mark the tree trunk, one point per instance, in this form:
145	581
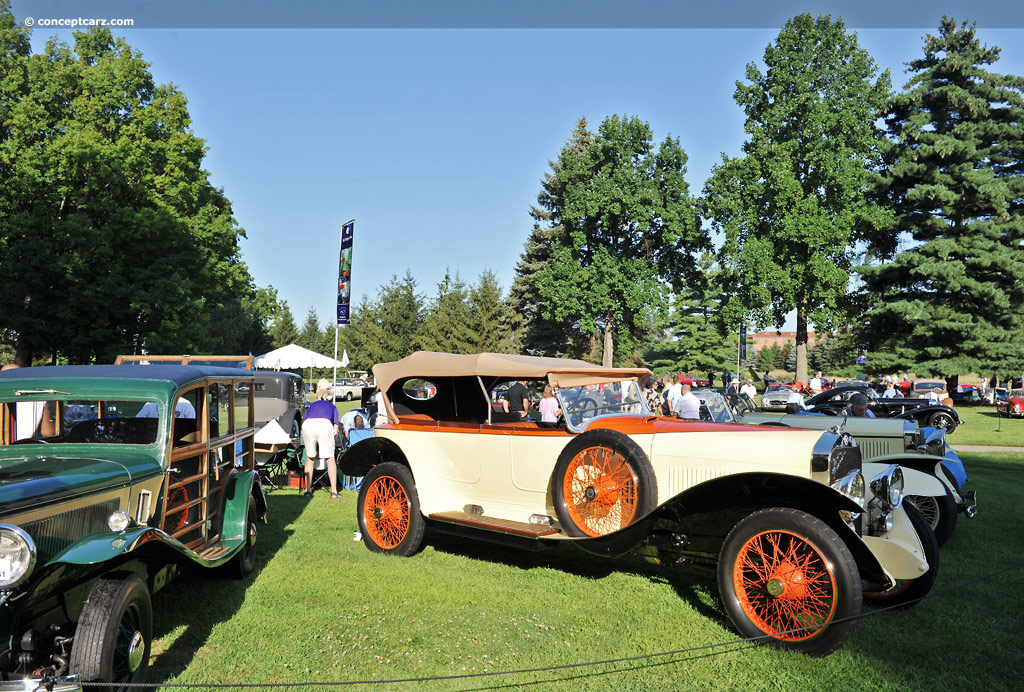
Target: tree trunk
801	344
606	359
22	354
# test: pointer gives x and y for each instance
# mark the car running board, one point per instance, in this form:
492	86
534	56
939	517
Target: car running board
506	526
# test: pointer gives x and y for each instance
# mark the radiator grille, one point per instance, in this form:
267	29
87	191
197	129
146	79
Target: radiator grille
842	460
54	534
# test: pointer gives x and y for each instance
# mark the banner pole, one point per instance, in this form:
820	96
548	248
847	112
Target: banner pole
335	361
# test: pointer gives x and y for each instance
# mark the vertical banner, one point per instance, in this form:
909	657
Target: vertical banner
345	272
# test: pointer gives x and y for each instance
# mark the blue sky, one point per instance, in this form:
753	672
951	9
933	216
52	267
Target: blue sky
435	140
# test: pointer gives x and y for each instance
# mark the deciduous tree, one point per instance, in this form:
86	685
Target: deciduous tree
622	226
792	206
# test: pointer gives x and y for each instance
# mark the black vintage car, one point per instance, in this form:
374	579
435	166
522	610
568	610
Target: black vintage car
833	401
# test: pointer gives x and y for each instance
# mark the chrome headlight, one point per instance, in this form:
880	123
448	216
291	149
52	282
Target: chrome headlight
17	556
118	521
888	487
852	486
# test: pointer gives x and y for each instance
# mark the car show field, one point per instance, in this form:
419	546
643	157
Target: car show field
343	613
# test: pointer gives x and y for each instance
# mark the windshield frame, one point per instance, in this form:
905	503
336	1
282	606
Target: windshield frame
573	402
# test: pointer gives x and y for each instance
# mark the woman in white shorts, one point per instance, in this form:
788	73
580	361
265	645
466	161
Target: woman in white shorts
319	429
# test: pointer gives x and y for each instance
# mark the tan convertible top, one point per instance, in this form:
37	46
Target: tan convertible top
561	372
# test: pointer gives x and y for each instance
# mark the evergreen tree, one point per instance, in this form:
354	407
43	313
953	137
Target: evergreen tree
531	331
791	207
622	224
954	175
487	315
446	327
386	328
311	337
284	331
691	341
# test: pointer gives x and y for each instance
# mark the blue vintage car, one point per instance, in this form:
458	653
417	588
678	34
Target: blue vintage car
112	478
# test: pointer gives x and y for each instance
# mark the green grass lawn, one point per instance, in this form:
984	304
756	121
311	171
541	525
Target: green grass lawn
321	608
983	427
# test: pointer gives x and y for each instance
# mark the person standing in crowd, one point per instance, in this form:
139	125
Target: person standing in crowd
687	404
732	394
651	396
673	393
890	391
749	389
518	397
319	429
815	384
548	406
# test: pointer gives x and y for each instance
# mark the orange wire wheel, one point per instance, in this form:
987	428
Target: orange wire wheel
600	491
786	574
389	510
386	508
785	585
601	483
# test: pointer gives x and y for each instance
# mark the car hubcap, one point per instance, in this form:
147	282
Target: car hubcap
136	650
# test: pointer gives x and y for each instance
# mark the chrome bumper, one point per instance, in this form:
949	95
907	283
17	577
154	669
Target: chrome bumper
62	684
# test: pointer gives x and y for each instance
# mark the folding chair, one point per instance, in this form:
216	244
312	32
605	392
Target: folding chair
273	467
356	435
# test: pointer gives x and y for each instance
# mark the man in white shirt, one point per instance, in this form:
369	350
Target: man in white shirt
815	384
687	406
794	402
674	392
749	389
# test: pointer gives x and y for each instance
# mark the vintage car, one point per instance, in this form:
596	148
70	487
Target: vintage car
935	390
1012	404
111	479
882	441
834	401
786	517
348	389
775	397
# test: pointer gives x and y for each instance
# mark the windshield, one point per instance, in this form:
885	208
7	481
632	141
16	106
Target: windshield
79	421
584	403
929	386
713	406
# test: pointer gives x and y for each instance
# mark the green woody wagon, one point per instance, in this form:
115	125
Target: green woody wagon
111	479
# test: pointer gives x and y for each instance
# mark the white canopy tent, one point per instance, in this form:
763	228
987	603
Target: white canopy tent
294	356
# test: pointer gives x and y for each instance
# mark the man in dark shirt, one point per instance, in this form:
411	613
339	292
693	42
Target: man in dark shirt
518	398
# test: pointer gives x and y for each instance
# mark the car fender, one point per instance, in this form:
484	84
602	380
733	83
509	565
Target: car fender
365	454
914	482
236	503
899	551
924	412
745	492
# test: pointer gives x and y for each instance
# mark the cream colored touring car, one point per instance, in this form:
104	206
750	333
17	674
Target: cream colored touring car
796	531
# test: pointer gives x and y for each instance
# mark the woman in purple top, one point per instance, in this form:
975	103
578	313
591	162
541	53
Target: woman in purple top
549	406
319	429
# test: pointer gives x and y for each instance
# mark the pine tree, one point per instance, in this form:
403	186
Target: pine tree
284	331
954	175
311	337
446	327
692	340
487	310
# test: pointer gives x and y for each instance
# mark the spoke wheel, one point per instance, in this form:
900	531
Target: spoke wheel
602	483
389	513
785	585
600	488
938	512
787	578
114	633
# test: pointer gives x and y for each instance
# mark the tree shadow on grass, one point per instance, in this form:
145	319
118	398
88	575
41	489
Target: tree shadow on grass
691	582
201	598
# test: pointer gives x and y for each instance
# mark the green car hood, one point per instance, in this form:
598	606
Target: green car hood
30	481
